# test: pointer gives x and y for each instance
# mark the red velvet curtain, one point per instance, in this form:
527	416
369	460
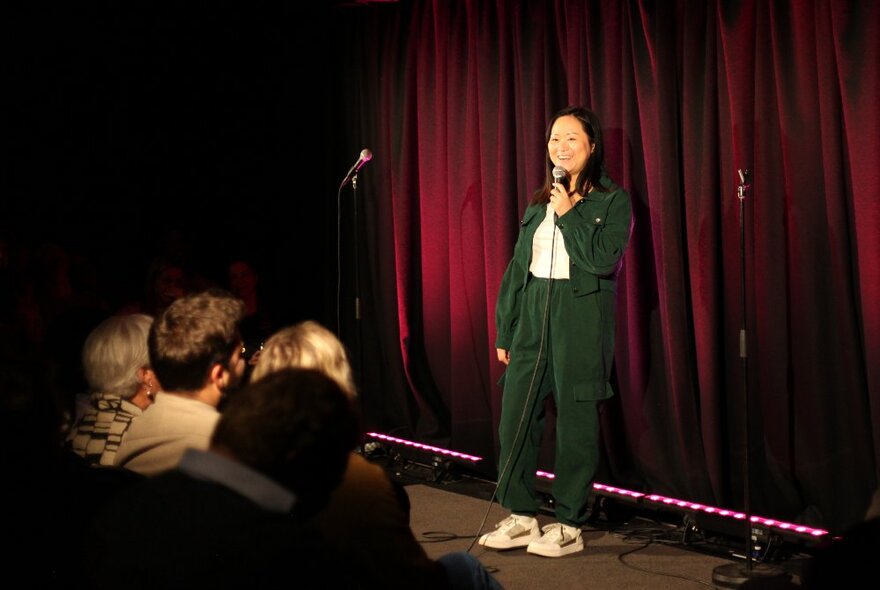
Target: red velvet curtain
453	97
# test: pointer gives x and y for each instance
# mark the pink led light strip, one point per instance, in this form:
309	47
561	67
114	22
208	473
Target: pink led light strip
786	526
423	447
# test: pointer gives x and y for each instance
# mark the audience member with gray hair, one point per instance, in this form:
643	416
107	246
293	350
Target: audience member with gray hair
116	365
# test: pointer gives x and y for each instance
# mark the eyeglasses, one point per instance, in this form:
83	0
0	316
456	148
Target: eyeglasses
254	355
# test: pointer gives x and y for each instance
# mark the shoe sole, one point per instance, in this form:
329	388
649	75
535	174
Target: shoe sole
515	543
555	550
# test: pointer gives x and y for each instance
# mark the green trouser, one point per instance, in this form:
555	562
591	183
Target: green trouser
565	333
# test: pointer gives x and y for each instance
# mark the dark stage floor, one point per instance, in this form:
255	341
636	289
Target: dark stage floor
624	548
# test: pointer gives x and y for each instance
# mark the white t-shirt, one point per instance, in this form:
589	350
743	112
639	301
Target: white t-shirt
549	257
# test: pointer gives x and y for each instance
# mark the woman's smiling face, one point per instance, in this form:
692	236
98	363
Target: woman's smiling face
569	145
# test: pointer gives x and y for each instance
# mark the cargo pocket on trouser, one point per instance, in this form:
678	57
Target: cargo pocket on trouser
589	391
599	347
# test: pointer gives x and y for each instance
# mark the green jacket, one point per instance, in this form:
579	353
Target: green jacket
595	232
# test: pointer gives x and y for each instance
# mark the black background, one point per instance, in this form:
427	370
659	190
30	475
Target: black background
209	126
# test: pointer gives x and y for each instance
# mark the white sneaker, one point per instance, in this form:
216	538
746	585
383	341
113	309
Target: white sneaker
514	531
558	540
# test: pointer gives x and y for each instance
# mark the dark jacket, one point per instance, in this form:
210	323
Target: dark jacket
595	232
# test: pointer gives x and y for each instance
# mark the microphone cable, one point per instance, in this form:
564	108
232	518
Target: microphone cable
527	404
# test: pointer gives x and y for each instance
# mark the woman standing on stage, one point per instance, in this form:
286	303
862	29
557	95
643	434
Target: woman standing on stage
555	332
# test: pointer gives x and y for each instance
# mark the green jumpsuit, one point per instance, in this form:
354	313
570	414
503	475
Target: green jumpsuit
571	323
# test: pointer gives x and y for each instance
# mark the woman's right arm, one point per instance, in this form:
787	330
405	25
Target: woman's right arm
508	304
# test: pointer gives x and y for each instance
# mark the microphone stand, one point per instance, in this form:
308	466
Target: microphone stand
356	360
357	286
358	349
735	574
352	176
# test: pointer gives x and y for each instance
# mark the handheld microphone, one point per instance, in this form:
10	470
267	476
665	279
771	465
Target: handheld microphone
365	157
559	174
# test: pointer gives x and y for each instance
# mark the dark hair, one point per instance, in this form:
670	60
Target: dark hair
192	335
595	164
297	426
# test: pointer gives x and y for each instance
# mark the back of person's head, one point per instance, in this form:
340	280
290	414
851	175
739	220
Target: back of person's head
114	351
193	334
297	426
308	345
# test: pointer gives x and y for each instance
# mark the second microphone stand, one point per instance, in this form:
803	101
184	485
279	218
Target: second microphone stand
735	574
357	281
